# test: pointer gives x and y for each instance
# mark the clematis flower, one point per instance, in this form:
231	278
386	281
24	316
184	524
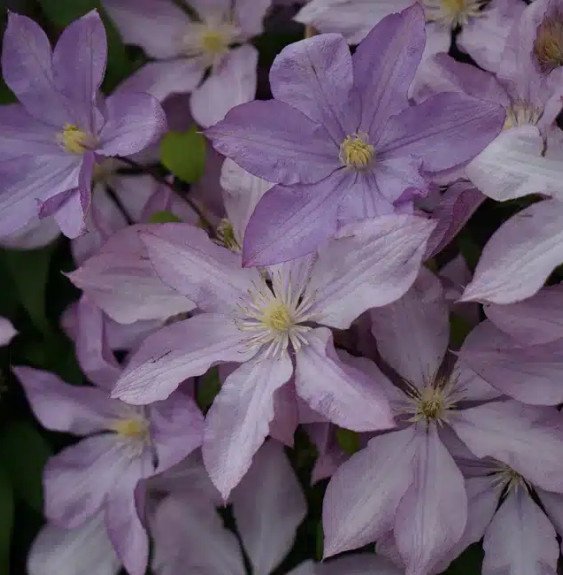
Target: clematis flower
7	331
190	537
122	445
51	141
484	24
405	488
261	321
184	48
341	139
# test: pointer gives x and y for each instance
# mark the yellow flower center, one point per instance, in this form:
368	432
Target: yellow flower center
548	46
74	140
277	317
452	13
356	152
521	114
432	404
133	428
213	41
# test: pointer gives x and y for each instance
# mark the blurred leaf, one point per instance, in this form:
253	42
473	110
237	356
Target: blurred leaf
6	521
208	387
349	441
63	12
119	65
23	456
164	218
459	330
29	271
183	153
469	249
468	563
319	543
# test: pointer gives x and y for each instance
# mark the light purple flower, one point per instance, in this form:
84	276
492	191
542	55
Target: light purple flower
341	139
51	141
404	488
122	444
268	506
7	331
246	321
185	48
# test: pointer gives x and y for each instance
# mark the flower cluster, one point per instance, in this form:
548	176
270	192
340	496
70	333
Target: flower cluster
302	351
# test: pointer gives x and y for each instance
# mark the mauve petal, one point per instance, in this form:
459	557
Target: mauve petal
79	66
290	222
378	260
520	539
78	479
7	331
84	550
315	76
186	259
120	280
190	537
432	515
286	415
176	427
269	494
363	495
307	568
553	505
531	374
76	409
179	351
231	83
134	121
238	422
512	166
30	180
250	14
340	392
444	131
162	79
27	70
527	438
208	10
412	333
383	82
276	142
360	564
155	25
536	320
329	454
125	529
520	256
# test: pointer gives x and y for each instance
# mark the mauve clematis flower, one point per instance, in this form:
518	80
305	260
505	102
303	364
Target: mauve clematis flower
51	141
341	139
122	445
184	48
190	536
80	551
405	488
259	320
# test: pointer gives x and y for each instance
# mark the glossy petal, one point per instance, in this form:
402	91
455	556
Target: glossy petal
179	351
239	419
520	256
412	334
269	494
432	515
363	494
276	142
341	393
369	264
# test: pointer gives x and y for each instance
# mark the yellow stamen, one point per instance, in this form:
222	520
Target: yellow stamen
431	404
452	13
227	237
74	140
356	152
277	317
132	428
548	47
214	42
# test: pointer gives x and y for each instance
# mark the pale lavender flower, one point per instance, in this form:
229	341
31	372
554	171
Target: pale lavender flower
7	331
51	141
122	445
268	506
405	489
341	139
258	324
185	48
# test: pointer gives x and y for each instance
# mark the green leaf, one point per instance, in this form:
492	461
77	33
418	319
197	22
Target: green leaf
23	456
459	330
183	153
349	441
209	386
29	271
319	542
468	563
164	218
6	521
63	12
